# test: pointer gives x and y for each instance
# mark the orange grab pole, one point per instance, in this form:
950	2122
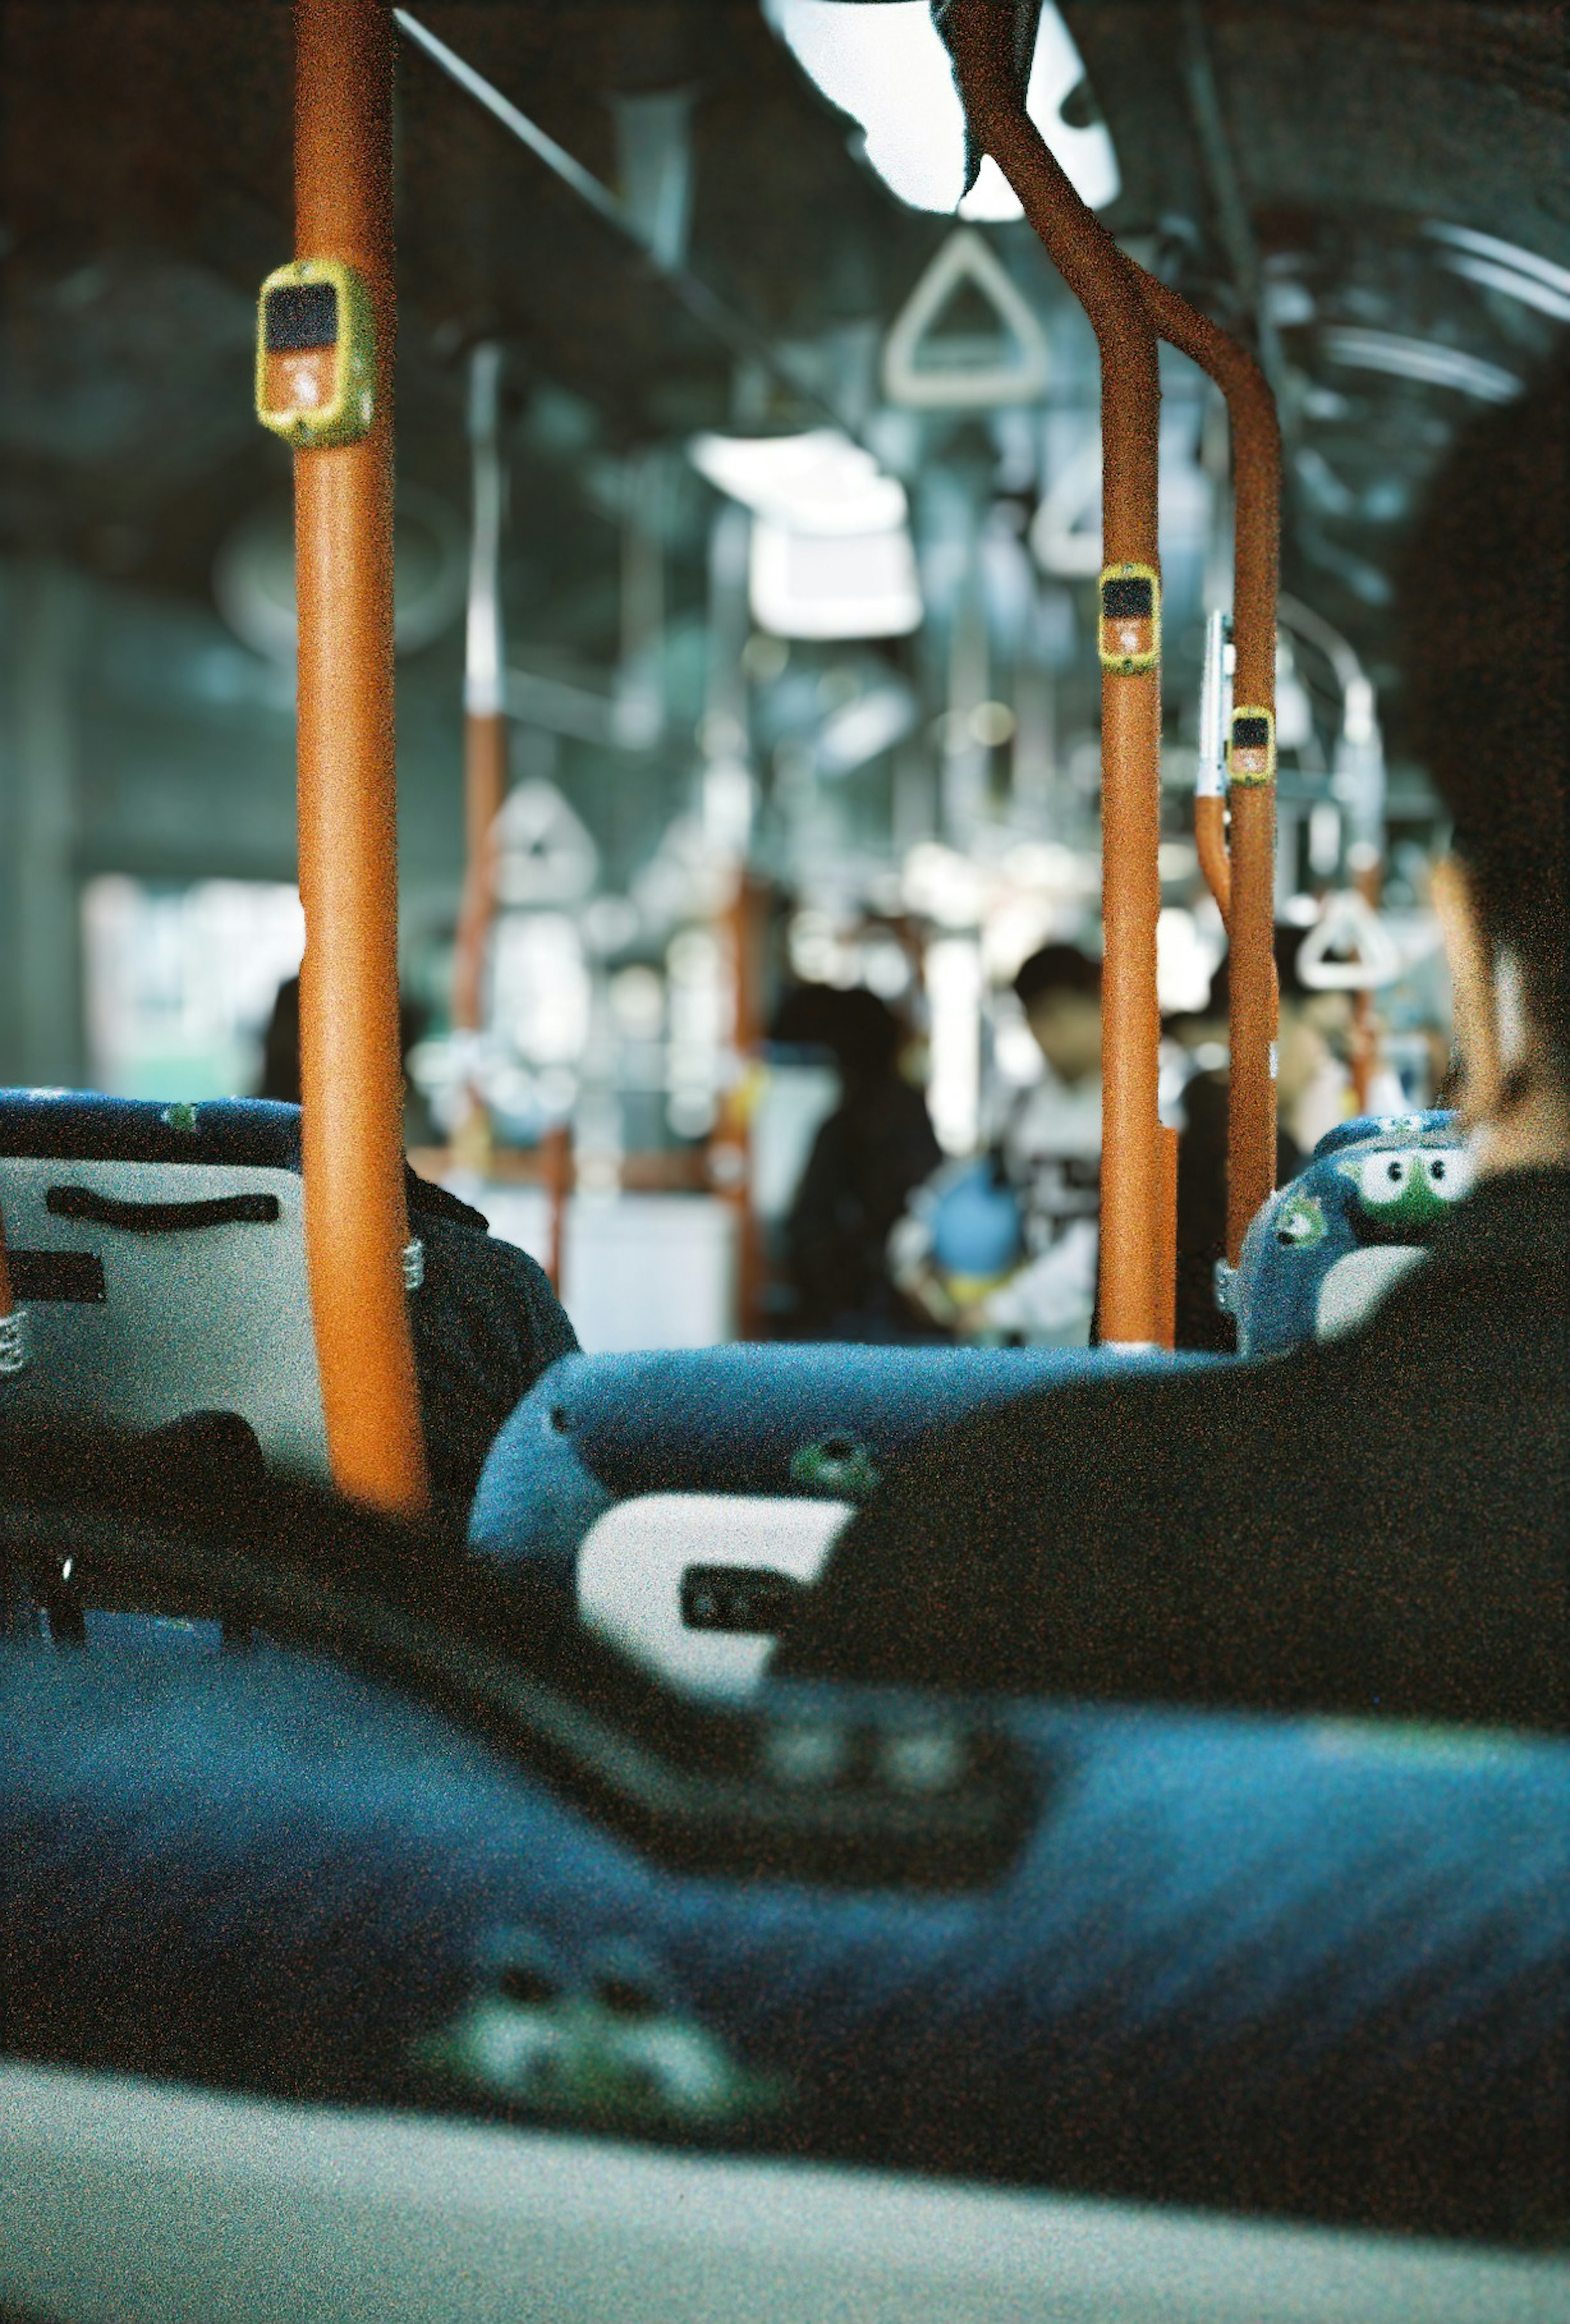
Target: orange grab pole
980	37
485	790
356	1217
1244	889
1214	862
555	1160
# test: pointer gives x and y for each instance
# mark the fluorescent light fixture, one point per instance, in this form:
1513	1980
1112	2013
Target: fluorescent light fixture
820	482
865	729
805	585
887	67
1511	257
1421	359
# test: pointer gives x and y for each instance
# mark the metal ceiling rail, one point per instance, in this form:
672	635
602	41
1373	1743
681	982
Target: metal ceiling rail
706	306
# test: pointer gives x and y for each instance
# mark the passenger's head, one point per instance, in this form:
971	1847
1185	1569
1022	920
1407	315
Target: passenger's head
862	1031
1485	618
1314	1027
1059	990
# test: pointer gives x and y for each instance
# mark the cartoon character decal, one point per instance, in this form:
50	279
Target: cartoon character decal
1323	1251
610	2048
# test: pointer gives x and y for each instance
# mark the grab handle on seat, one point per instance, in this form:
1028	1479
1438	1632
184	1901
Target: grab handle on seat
161	1218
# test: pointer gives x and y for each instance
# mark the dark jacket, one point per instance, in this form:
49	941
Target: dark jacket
486	1324
1202	1212
867	1159
1372	1524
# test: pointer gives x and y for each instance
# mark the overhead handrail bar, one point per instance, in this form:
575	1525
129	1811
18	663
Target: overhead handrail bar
703	305
1210	769
485	713
980	36
352	1123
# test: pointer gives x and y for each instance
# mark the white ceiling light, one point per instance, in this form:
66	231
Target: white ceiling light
820	482
888	69
805	585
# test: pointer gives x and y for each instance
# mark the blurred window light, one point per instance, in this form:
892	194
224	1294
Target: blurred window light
638	1002
945	886
1185	962
816	483
180	982
540	987
888	69
854	585
953	999
863	729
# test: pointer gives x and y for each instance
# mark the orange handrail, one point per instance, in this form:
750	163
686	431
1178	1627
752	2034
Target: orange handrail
1246	893
980	37
356	1217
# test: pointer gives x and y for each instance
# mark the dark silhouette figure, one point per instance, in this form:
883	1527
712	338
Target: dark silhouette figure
872	1151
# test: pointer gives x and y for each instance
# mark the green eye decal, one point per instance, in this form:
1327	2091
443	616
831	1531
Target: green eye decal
1383	1178
1300	1222
1447	1173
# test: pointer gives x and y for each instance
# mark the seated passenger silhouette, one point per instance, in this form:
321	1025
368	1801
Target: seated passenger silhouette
876	1145
1374	1524
1314	1029
486	1322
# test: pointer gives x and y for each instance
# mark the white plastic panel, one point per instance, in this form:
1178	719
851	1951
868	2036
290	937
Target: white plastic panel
1355	1286
209	1319
145	2205
632	1561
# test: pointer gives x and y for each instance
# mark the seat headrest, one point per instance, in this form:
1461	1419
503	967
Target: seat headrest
81	1126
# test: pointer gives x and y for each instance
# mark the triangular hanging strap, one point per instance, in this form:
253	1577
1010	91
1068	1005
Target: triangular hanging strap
965	259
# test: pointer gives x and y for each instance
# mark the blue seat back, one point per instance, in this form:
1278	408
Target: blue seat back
774	1420
1291	1965
160	1253
1326	1248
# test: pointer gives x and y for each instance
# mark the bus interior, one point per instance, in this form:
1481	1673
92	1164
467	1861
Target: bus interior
559	569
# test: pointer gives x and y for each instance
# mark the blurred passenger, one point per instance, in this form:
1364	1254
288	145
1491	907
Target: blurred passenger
1312	1037
1046	1155
1373	1524
874	1146
485	1320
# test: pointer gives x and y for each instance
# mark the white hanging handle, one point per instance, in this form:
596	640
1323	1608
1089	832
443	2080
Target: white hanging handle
1347	920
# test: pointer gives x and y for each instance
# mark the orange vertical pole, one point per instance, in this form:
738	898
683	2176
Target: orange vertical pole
1246	894
556	1174
356	1219
1166	1244
980	36
1214	862
485	788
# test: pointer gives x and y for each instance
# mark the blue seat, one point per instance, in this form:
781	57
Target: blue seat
160	1252
1282	1965
782	1421
1325	1250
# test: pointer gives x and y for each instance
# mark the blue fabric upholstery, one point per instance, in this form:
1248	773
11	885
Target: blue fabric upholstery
1294	1966
79	1126
786	1419
1381	1182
